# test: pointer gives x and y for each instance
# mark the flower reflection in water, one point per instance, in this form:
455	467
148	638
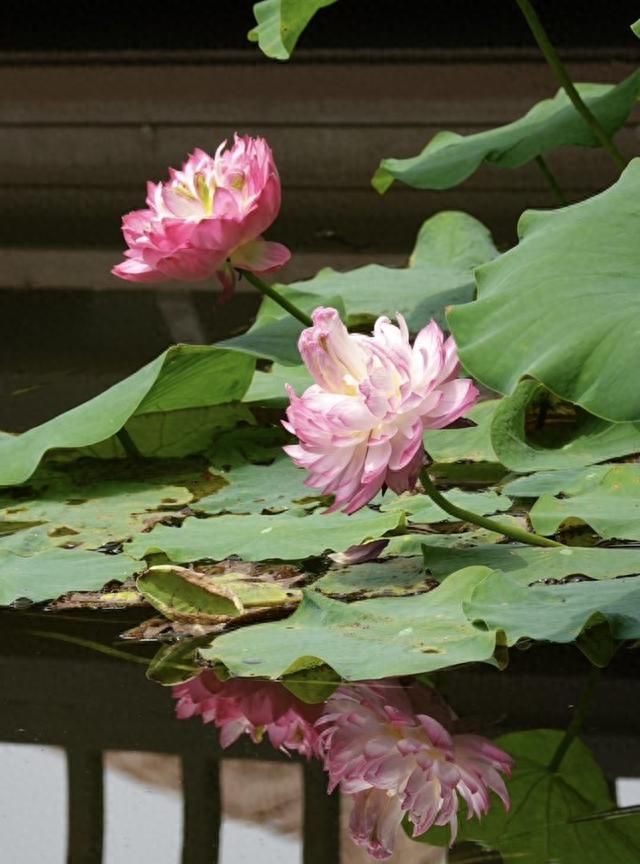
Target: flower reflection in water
244	707
392	748
388	747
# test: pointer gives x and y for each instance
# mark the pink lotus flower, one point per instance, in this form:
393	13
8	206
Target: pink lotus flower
246	707
360	426
207	219
380	748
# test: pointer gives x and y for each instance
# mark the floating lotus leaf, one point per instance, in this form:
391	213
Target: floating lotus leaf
93	515
366	639
529	564
609	503
555	613
254	488
54	571
288	536
421	509
552	482
466	444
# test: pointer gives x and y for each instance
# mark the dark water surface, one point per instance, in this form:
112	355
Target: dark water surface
97	768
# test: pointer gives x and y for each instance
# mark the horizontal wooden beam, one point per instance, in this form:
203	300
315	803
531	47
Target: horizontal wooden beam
484	87
90	269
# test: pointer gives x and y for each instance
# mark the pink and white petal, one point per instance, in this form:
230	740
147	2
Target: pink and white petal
359	554
189	265
457	398
406	478
135	270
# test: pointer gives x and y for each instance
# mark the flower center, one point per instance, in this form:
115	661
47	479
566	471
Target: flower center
205	192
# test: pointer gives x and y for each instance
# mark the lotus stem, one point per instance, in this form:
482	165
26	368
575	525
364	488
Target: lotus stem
551	180
562	76
463	515
270	291
128	444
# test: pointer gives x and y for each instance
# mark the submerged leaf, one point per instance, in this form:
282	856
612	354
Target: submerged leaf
174	664
552	812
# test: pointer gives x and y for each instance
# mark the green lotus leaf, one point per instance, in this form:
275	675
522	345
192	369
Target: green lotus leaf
468	444
419	634
268	388
54	571
560	445
254	488
170	407
421	509
553	482
450	158
555	613
527	565
92	515
288	536
609	503
565	815
279	24
448	248
581	261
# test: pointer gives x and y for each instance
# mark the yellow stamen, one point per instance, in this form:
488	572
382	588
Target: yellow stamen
184	192
205	192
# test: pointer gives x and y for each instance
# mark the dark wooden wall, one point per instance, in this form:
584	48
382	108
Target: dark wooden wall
78	142
81	133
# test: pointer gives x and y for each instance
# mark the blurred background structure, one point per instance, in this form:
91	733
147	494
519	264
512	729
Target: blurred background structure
96	99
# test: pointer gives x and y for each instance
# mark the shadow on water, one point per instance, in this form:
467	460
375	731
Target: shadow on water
119	768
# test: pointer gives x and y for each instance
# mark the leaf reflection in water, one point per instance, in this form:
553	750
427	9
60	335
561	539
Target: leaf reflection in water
392	749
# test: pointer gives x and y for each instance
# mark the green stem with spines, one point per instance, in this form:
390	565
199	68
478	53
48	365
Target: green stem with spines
128	444
463	515
270	291
551	180
563	78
